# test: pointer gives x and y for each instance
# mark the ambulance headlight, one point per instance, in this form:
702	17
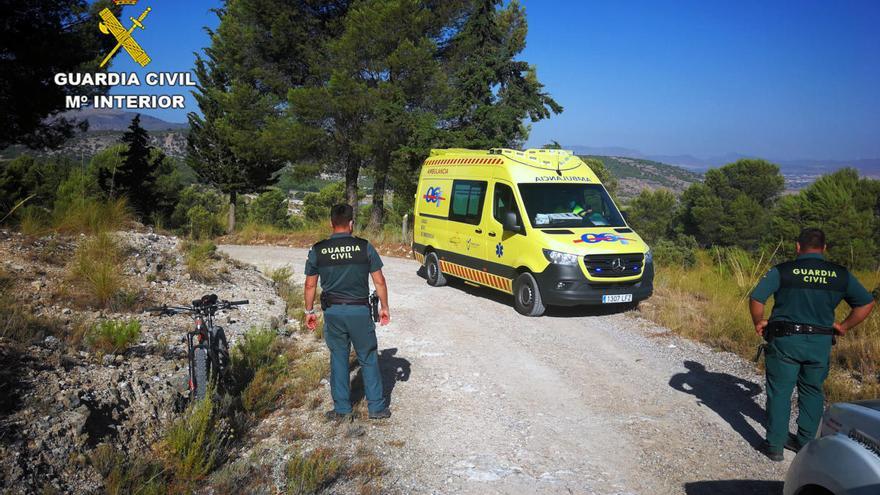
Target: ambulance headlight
649	256
560	258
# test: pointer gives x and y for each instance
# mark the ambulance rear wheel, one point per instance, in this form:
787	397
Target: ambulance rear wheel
527	296
433	272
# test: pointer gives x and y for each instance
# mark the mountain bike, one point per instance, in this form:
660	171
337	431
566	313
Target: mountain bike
207	348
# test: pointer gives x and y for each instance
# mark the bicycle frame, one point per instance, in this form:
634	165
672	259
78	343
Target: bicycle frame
203	336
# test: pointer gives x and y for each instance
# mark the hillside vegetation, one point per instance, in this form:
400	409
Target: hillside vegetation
636	174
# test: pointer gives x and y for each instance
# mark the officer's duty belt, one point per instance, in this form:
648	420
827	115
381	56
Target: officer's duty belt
784	328
328	300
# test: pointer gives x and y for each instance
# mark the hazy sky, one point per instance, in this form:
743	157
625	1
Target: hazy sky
798	79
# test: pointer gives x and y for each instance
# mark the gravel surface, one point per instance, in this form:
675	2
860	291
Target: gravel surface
577	401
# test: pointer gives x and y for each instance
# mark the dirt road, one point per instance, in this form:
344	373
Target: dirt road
488	401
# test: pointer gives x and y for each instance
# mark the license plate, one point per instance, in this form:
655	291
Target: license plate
617	298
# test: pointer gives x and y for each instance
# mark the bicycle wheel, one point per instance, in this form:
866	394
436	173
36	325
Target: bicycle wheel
200	373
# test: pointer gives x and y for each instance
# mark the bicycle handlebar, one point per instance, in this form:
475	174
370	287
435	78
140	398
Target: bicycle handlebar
170	310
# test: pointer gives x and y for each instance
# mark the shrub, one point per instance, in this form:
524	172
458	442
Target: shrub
682	252
210	201
193	446
199	261
123	476
263	392
95	270
310	473
254	351
113	336
269	208
202	224
316	206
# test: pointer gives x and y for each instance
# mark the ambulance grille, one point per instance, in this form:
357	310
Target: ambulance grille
608	266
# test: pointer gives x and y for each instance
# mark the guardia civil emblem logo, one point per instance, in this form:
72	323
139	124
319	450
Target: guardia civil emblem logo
111	25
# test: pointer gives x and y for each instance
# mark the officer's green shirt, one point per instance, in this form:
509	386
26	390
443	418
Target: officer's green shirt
346	280
808	290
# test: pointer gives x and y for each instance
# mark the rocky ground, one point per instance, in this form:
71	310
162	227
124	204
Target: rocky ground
580	400
60	399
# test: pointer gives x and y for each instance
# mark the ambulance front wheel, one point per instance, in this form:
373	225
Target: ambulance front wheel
527	296
432	271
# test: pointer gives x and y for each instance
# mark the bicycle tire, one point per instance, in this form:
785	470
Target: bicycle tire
200	373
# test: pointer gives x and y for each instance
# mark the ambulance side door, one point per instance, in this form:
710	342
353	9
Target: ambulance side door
467	235
508	248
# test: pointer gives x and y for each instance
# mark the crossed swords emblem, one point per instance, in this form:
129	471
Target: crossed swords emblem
111	25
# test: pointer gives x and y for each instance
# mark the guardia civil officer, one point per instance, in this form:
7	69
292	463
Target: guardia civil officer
799	335
343	263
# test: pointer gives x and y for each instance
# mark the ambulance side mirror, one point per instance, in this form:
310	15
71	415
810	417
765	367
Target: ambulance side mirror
510	224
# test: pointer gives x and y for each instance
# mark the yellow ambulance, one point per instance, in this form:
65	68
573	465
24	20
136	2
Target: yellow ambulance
537	224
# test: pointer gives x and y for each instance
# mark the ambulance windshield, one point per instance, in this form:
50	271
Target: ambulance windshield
569	205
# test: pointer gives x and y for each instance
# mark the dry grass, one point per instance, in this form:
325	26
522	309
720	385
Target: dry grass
709	303
96	274
305	377
92	216
309	473
17	322
199	258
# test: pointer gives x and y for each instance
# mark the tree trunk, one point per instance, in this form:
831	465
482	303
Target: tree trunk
352	170
230	219
377	212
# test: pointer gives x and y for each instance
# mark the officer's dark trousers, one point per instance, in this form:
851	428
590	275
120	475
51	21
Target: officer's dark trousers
344	326
802	361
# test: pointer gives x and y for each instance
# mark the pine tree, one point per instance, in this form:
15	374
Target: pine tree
491	91
135	177
260	50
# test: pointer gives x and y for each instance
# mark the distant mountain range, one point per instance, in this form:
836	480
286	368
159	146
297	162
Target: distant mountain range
119	120
105	129
635	174
866	166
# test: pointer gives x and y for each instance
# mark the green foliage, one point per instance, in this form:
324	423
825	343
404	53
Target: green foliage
309	473
28	177
40	39
198	211
316	206
730	208
492	93
845	207
262	393
680	252
139	172
757	179
651	213
269	208
254	351
123	476
193	446
113	336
